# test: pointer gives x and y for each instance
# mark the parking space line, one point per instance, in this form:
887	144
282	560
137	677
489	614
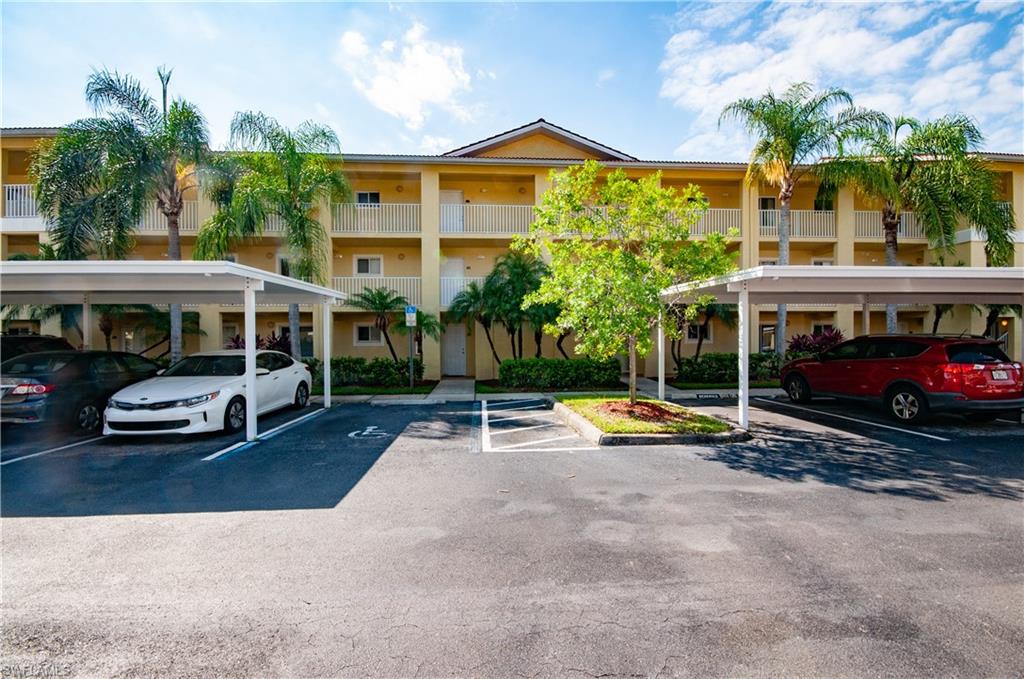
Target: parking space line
269	434
546	413
518	429
518	400
546	450
485	428
508	410
853	419
535	443
51	450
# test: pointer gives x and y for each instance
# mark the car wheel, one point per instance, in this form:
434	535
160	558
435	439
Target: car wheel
234	415
797	389
906	404
301	396
982	418
87	417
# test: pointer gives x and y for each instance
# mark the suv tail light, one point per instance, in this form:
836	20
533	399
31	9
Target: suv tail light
953	374
32	389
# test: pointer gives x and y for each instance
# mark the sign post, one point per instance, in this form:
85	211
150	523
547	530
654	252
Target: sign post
410	323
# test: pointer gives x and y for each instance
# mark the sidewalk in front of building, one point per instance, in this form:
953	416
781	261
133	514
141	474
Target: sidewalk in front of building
649	387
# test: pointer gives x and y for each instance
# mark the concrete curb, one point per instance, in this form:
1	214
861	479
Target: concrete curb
590	431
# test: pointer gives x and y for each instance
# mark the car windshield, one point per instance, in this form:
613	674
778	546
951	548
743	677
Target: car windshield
207	366
35	364
976	352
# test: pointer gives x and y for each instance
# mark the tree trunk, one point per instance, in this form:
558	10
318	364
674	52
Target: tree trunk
785	197
632	369
519	331
387	338
890	227
558	345
700	343
293	331
174	255
939	313
538	337
107	328
512	340
702	332
490	342
991	318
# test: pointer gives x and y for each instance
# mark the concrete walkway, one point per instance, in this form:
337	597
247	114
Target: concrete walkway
649	387
454	389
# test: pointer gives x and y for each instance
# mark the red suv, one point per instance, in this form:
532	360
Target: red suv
913	375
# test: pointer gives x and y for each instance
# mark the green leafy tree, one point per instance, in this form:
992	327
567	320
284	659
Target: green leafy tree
475	304
383	303
282	173
427	325
933	170
93	181
792	131
609	265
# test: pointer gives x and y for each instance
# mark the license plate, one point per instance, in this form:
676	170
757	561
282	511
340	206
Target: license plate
1000	375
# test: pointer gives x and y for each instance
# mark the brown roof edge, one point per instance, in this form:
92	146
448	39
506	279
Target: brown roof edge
29	131
541	121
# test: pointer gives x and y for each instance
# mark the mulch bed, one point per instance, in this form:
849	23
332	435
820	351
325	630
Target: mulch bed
642	410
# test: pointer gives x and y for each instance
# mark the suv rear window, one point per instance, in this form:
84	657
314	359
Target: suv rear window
976	352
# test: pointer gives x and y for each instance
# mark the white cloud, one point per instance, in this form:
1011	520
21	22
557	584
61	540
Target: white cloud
408	77
432	144
486	75
998	7
604	75
918	59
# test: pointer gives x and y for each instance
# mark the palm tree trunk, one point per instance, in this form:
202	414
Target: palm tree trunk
700	343
939	313
293	331
174	254
391	347
785	197
519	331
490	341
991	318
890	227
558	344
632	369
512	340
538	336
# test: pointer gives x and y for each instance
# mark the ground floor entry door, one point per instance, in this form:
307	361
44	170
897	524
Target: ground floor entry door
453	350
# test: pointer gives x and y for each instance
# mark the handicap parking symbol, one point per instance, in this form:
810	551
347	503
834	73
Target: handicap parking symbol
371	432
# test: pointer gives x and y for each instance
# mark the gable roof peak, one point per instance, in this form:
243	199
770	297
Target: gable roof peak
541	125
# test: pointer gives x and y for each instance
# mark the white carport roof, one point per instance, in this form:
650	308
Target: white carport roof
149	282
861	285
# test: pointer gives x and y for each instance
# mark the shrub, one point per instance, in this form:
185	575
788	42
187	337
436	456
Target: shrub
815	344
349	371
316	369
273	343
346	370
724	367
558	373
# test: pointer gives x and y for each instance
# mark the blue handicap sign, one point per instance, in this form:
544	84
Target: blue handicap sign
410	309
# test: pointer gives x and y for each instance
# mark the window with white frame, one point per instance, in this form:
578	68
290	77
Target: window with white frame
822	261
368	197
228	332
695	330
767	261
367	335
820	328
368	265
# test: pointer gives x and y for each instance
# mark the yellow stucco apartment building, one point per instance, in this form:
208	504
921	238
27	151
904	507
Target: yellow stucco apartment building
425	226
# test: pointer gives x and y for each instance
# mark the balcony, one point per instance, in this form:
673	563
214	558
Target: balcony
20	212
451	287
406	286
718	220
868	226
802	223
153	221
383	218
486	220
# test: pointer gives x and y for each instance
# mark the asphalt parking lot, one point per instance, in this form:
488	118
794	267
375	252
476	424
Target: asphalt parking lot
392	541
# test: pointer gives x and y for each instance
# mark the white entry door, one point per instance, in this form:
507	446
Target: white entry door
452	220
453	350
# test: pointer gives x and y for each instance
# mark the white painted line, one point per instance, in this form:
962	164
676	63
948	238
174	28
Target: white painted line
518	400
222	451
546	413
1007	421
535	443
536	426
485	430
270	433
508	410
538	450
853	419
52	450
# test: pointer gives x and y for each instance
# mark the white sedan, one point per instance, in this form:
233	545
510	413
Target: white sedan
206	392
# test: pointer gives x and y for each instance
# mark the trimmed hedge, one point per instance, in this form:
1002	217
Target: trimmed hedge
724	367
357	371
559	373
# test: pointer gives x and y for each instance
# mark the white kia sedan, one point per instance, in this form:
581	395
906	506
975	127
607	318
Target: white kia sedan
206	392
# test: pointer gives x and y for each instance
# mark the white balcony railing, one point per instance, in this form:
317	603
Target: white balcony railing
382	218
451	287
20	200
486	219
406	286
154	221
273	224
718	220
868	226
802	223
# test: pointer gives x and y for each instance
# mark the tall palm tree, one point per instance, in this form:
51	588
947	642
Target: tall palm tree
475	304
383	303
515	275
792	132
289	176
931	169
94	179
426	325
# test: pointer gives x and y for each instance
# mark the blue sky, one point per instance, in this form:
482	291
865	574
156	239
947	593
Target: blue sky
649	79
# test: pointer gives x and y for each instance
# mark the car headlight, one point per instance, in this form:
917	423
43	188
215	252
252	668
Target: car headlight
196	400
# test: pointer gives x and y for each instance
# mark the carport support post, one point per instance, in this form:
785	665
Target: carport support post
661	355
865	317
250	359
86	322
328	319
743	300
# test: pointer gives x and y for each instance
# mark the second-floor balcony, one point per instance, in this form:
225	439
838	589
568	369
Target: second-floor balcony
718	220
154	221
802	223
381	218
868	226
490	220
406	286
452	286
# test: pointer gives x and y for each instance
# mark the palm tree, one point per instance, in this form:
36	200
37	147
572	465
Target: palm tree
288	175
239	211
382	303
931	169
515	275
474	303
94	179
792	132
426	325
723	312
539	316
992	314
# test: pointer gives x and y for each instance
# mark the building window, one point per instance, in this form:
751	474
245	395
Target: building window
283	267
823	203
822	261
228	332
767	342
368	265
305	337
368	197
766	203
820	328
765	261
367	335
694	331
